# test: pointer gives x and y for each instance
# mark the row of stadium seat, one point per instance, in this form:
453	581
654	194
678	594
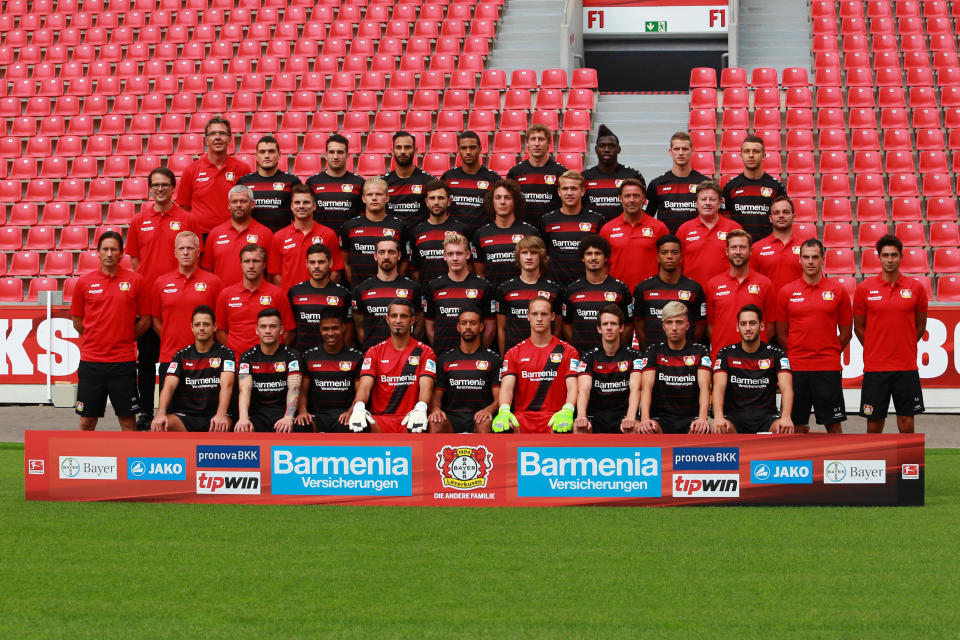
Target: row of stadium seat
884	9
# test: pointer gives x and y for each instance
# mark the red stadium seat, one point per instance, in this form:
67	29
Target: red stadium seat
836	210
869	232
805	210
867	162
839	261
865	140
704	140
835	185
838	235
369	165
944	234
801	185
58	263
903	186
40	238
948	288
941	209
945	260
11	290
898	161
703	77
702	119
915	260
937	185
24	263
869	185
869	262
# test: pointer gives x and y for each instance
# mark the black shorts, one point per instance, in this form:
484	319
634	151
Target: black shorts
751	422
329	422
263	422
879	386
675	424
607	421
98	380
462	422
194	423
821	390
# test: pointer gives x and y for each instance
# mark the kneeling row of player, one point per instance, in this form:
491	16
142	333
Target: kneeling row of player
541	384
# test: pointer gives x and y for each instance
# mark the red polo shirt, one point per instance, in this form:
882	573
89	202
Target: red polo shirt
109	306
813	313
203	188
726	296
237	309
288	254
778	261
222	253
151	237
174	297
705	250
633	248
890	338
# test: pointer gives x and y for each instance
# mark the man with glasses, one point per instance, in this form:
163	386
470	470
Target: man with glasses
205	183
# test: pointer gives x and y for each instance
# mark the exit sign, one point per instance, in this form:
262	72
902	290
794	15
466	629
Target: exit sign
656	26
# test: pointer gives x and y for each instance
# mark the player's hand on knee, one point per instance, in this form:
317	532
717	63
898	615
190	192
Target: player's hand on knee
504	420
562	421
700	426
159	423
582	424
283	425
243	426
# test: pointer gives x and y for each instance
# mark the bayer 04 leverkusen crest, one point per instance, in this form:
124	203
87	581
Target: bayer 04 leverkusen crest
464	468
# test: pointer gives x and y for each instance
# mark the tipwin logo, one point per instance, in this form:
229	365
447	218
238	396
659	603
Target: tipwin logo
228	482
714	485
464	468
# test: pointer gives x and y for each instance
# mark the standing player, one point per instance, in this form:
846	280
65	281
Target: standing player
396	378
288	253
563	229
676	379
777	255
238	305
309	298
270	186
728	292
584	298
494	244
270	377
468	183
371	298
338	191
426	246
205	183
748	196
514	296
330	373
672	197
468	381
226	240
198	384
110	310
603	180
633	237
889	318
539	379
359	236
704	238
405	183
444	297
811	311
651	295
746	376
537	175
608	395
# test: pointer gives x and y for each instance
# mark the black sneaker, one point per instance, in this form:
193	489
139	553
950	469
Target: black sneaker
143	422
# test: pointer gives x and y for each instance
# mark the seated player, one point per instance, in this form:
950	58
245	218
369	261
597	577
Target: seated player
396	378
468	381
746	375
270	381
608	395
199	382
539	379
330	372
676	378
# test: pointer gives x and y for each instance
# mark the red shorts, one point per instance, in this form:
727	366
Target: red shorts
534	421
389	424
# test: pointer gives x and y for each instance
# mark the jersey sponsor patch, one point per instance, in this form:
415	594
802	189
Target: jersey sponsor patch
294	366
575	365
609	296
639	363
556	357
229	366
796	250
367	364
705	362
517	237
172	368
721	235
244	368
430	366
402	293
333	301
784	363
685	295
252	238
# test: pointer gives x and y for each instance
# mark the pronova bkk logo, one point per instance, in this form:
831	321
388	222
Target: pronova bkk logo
228	456
588	472
341	471
706	459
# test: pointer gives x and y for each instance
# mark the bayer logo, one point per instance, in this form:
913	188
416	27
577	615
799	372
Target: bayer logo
69	467
835	471
762	472
464	468
138	468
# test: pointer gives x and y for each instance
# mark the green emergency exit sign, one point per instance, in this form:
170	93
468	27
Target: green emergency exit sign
655	26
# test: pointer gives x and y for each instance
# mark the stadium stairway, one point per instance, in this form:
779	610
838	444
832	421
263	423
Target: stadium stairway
528	36
644	124
774	33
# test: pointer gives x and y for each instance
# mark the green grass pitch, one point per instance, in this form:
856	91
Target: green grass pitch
124	570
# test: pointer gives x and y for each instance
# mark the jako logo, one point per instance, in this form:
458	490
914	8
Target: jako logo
588	471
781	472
706	485
706	459
341	471
228	457
854	471
156	468
233	482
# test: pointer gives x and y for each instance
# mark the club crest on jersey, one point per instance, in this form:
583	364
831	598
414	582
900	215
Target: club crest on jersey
417	188
252	238
721	235
464	468
764	364
389	232
692	188
483	365
556	357
175	225
584	226
79	406
609	296
622	365
230	176
280	367
766	192
753	288
214	362
344	365
346	188
684	294
867	409
544	294
618	182
265	300
517	237
689	360
333	301
124	286
646	232
904	293
316	240
827	295
200	286
796	250
402	293
471	293
482	184
413	361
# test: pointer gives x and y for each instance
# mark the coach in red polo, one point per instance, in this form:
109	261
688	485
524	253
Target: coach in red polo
205	183
221	254
287	261
633	237
778	255
703	239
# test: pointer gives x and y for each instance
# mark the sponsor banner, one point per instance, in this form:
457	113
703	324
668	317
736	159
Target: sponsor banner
640	18
476	470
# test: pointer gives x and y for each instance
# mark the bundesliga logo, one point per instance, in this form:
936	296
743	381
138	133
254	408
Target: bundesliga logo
827	295
280	367
483	365
344	365
753	288
622	365
691	360
764	364
252	238
464	468
278	186
333	301
265	300
482	184
471	293
402	293
684	294
766	192
346	188
175	225
413	360
214	362
200	286
556	357
124	286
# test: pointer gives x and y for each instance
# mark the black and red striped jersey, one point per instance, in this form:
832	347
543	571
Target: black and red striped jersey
443	299
495	248
467	191
406	196
426	247
396	375
562	234
676	391
747	202
338	199
653	294
271	197
513	302
539	187
269	374
673	200
751	377
358	239
372	298
198	392
467	379
582	302
332	377
603	189
307	301
610	391
541	374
